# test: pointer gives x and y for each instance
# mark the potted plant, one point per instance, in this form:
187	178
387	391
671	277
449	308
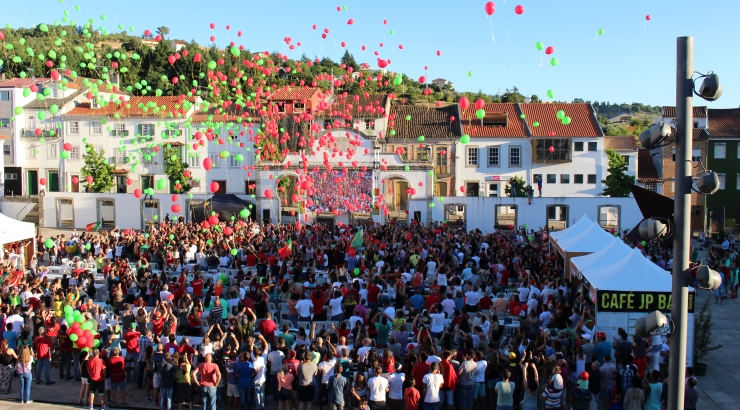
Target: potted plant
703	338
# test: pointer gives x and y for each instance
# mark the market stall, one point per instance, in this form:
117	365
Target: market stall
589	240
13	234
625	287
578	227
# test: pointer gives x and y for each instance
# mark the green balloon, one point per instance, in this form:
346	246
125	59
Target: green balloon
96	343
465	138
44	28
234	252
535	124
470	73
18	110
553	61
54	109
161	184
421	138
212	65
566	121
398	80
224	154
68	310
244	213
601	31
480	113
49	243
539	46
356	271
64	154
239	157
73	337
431	204
235	51
26	92
560	114
550	94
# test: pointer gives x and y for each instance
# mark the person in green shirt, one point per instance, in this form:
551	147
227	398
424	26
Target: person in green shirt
289	339
384	329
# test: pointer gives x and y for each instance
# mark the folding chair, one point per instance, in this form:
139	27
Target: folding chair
305	325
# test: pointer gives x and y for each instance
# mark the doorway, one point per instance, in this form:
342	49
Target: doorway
53	180
401	196
33	182
65	213
455	213
107	213
440	188
121	184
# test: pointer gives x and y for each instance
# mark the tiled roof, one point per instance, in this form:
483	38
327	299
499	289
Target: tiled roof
4	137
646	170
223	115
583	121
174	143
119	171
620	143
84	110
22	82
294	93
372	106
724	123
43	105
133	109
515	126
670	111
431	122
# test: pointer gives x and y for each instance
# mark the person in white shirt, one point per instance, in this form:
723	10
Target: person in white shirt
433	381
395	382
224	261
164	295
471	300
378	387
335	305
304	308
432	266
532	304
523	291
448	305
354	319
364	350
438	320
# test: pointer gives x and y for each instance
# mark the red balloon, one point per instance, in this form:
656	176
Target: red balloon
89	179
130	181
67	146
228	231
422	79
207	164
510	226
648	17
81	341
464	103
213	25
75	180
551	149
519	9
517	310
205	224
268	193
214	186
137	193
551	133
490	8
351	21
213	220
462	189
176	208
439	53
479	104
549	50
175	197
524	307
42	181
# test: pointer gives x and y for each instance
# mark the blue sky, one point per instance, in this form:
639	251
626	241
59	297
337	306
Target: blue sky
634	60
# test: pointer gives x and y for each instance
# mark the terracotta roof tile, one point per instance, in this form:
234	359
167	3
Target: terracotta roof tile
646	170
670	111
515	126
294	93
44	105
724	123
84	110
627	143
174	143
135	106
360	106
431	122
583	120
22	82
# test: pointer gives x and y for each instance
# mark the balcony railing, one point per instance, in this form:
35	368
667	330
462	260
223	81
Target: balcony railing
119	133
442	169
32	134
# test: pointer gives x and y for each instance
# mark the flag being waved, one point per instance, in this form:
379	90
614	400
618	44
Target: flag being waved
93	226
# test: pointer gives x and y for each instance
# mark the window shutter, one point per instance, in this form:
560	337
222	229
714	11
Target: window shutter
151	130
480	157
138	129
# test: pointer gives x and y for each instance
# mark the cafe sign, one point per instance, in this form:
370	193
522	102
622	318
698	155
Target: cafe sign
626	301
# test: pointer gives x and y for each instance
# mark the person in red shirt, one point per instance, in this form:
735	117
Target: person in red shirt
42	345
418	282
158	322
419	370
431	300
197	285
210	376
449	376
96	369
117	370
267	328
411	396
185	349
65	357
373	290
132	343
485	302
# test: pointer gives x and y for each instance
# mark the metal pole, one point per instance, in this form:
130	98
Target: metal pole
681	220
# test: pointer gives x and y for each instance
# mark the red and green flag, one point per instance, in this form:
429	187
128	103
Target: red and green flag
286	250
93	226
356	241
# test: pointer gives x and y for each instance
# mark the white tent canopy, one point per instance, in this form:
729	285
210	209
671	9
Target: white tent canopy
633	271
13	230
576	229
592	239
611	254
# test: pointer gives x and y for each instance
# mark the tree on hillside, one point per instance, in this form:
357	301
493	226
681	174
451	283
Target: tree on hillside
617	182
97	166
175	168
512	96
349	60
163	31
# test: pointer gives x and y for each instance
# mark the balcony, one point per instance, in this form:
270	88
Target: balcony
32	134
119	133
173	133
442	169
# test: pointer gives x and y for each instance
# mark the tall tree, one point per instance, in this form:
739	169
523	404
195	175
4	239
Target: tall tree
175	168
349	60
97	167
163	31
617	182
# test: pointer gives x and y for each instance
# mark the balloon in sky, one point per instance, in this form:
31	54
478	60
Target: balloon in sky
549	50
464	103
550	94
553	62
490	8
351	21
648	17
601	31
519	9
439	53
539	45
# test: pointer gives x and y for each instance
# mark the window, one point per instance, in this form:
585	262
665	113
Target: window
696	124
298	106
94	103
651	186
11	176
493	157
4	95
147	181
441	153
578	178
233	163
626	159
53	151
216	160
609	216
565	178
281	107
422	153
4	122
551	178
6	149
495	120
560	149
74	128
505	216
121	157
515	156
120	130
493	190
98	149
557	217
720	150
472	157
578	146
96	127
75	154
147	129
592	146
147	156
193	160
31	152
328	123
696	155
369	124
403	152
721	181
591	179
472	188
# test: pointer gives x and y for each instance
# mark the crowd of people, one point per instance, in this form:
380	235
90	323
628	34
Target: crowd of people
418	318
334	191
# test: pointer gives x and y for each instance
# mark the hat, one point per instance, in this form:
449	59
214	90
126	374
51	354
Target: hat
583	376
601	335
292	354
557	382
586	336
512	356
410	346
